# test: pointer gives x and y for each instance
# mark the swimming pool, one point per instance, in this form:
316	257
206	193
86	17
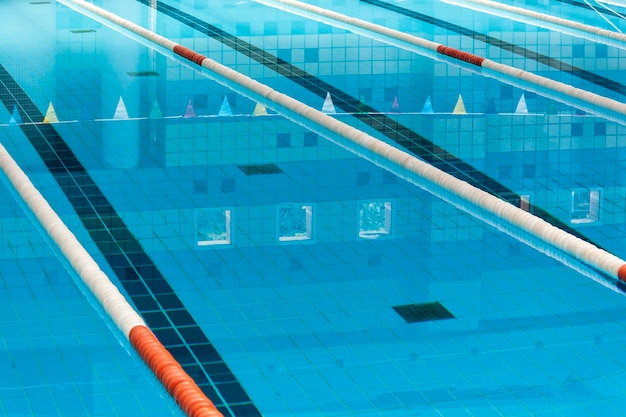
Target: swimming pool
288	275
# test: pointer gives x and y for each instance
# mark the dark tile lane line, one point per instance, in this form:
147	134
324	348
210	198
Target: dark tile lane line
407	138
152	295
507	46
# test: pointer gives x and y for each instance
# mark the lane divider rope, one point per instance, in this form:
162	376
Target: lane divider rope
558	238
171	374
595	103
486	6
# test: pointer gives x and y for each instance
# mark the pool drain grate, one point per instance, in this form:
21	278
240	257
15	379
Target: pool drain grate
414	313
143	74
260	169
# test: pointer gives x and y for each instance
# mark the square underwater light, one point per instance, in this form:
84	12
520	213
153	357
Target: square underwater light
295	222
213	226
374	219
585	206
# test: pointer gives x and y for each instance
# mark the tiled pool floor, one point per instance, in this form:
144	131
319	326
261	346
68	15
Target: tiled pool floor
273	263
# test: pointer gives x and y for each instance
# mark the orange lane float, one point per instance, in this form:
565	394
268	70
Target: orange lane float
173	377
460	55
189	54
621	273
178	383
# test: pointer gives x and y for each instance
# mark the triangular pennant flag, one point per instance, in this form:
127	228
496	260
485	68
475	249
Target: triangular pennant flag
459	107
225	110
491	107
521	108
189	111
395	106
428	106
120	110
580	112
51	115
551	108
329	106
155	113
259	110
85	114
16	119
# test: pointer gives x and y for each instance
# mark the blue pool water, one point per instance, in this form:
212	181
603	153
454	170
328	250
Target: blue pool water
287	274
59	355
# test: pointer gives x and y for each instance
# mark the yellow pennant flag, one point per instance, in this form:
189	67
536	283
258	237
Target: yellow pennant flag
259	110
459	108
51	115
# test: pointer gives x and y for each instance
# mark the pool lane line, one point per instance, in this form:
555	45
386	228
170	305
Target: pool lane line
171	374
559	24
387	126
507	46
588	101
572	96
577	248
151	294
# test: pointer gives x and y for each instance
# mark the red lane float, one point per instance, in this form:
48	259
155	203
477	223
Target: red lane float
173	377
171	374
189	54
621	273
460	55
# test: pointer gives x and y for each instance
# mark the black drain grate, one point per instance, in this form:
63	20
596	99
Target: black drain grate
143	74
260	169
414	313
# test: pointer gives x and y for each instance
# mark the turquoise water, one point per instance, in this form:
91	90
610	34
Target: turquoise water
59	355
274	263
